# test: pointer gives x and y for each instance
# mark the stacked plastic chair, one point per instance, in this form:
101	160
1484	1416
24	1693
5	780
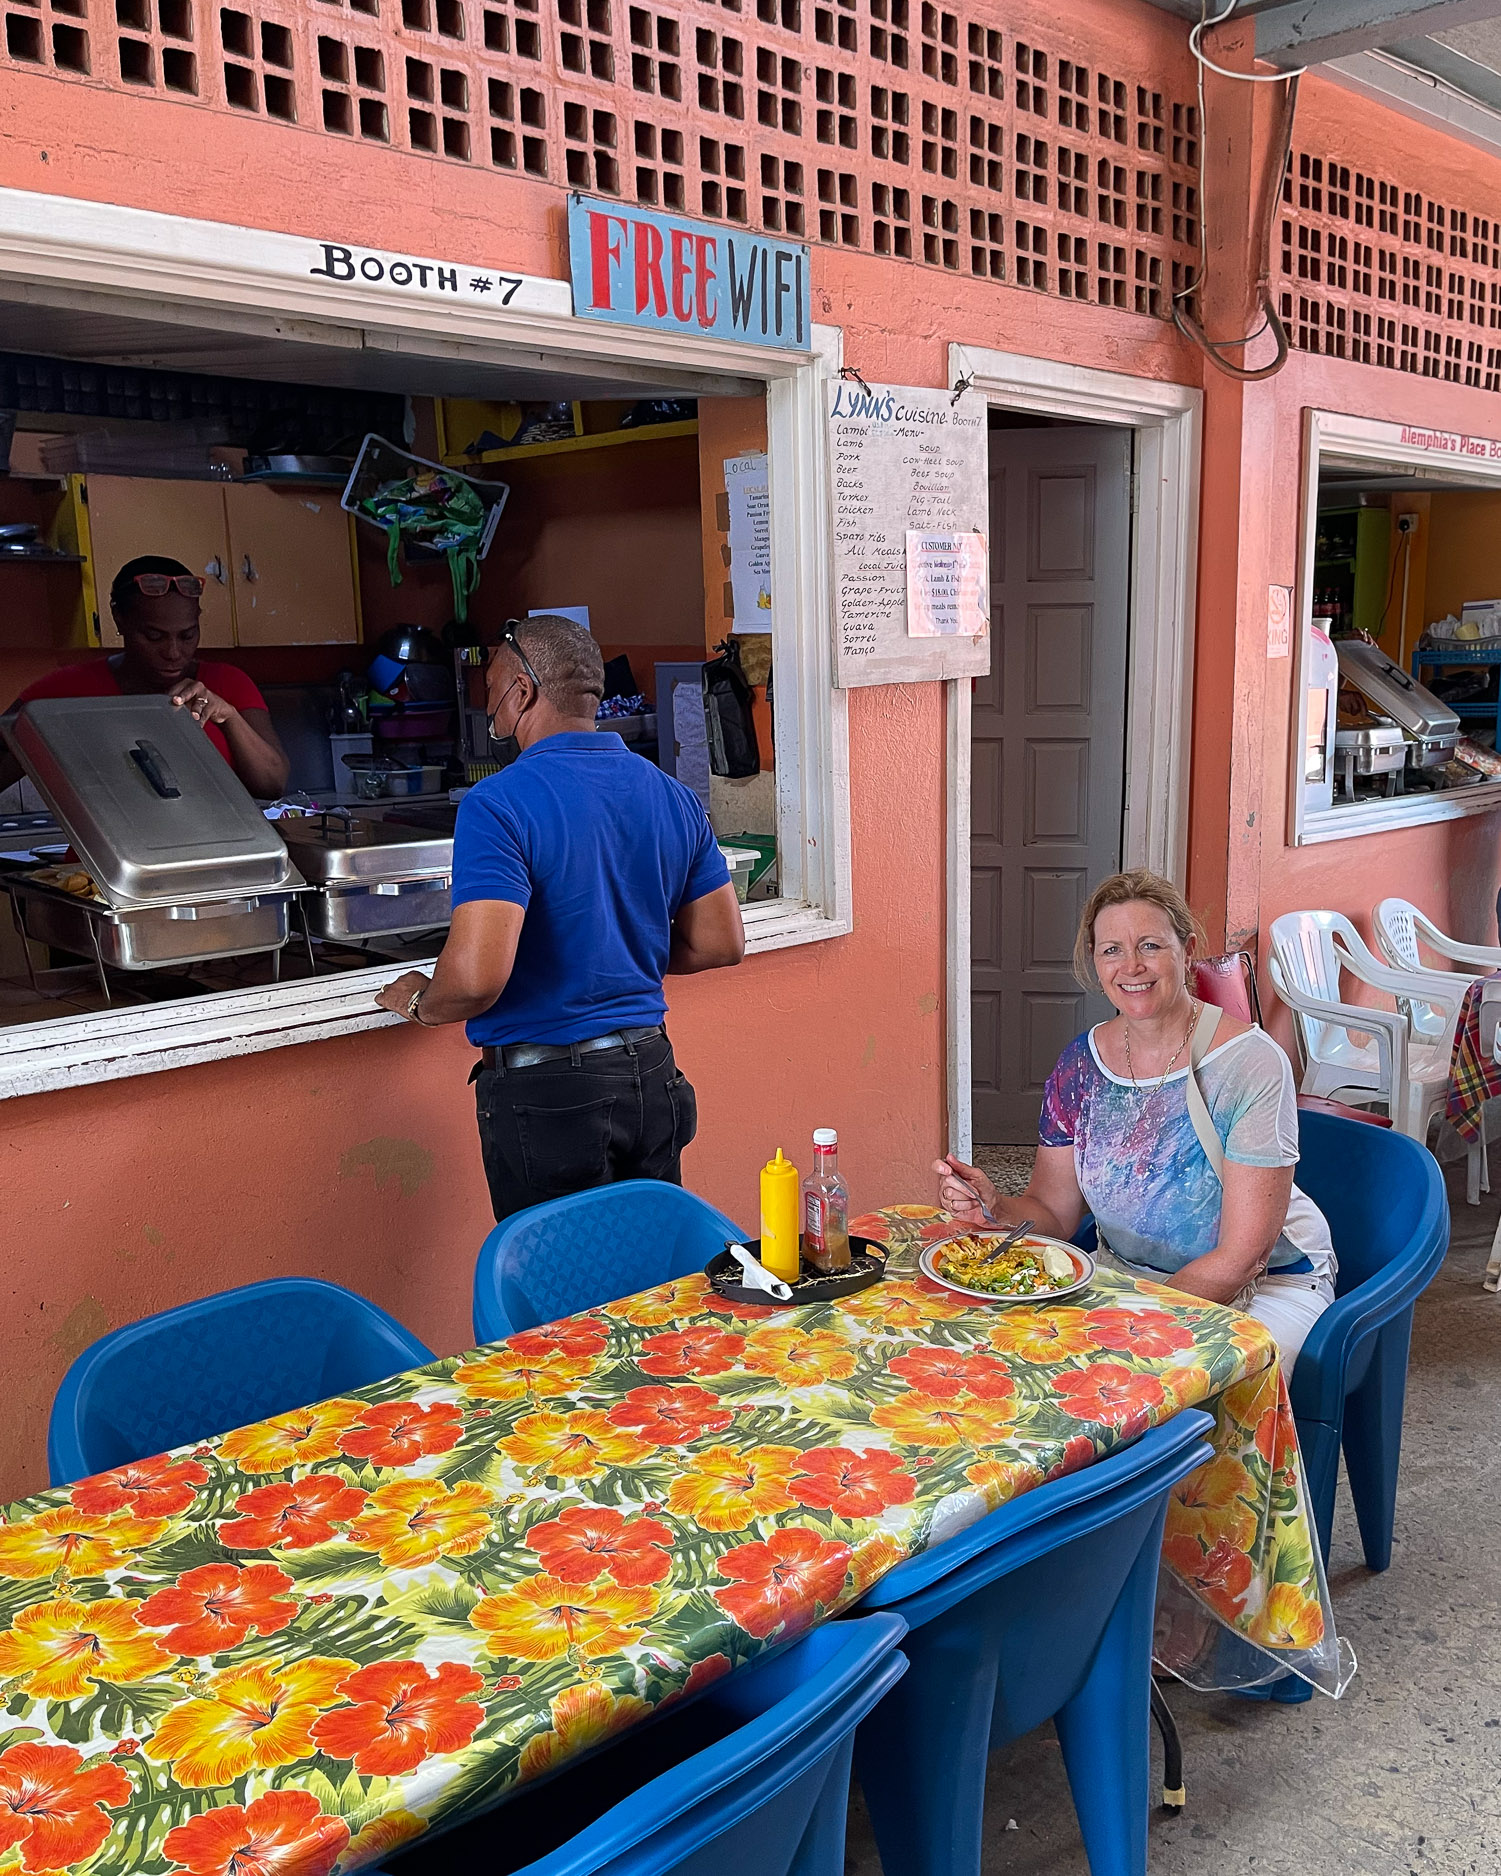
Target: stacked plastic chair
594	1247
218	1363
1043	1610
750	1779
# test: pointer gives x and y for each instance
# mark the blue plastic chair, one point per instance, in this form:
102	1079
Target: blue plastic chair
593	1247
1043	1610
750	1779
218	1363
1388	1213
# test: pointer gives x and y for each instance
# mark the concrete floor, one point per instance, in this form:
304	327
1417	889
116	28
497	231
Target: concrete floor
1403	1776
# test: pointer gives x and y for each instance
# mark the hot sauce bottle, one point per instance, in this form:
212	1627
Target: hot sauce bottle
826	1207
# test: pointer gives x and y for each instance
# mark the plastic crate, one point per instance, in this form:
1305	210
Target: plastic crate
380	463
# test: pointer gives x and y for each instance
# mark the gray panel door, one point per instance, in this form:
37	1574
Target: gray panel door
1049	752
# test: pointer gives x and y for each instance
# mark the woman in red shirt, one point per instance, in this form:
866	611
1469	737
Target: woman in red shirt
154	602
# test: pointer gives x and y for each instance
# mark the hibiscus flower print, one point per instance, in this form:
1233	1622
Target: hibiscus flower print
782	1584
654	1309
79	1542
1039	1336
671	1416
382	1837
799	1357
59	1649
1149	1333
946	1373
304	1437
702	1350
146	1488
852	1484
589	1539
279	1831
581	1337
292	1517
543	1618
571	1446
1001	1480
1211	1503
919	1420
508	1374
250	1718
1289	1620
51	1810
1110	1394
1221	1574
583	1716
400	1714
217	1605
417	1521
725	1489
397	1432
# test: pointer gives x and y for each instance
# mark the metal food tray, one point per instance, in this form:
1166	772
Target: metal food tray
380	909
340	850
148	938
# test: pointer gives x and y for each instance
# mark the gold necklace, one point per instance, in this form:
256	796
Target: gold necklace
1161	1080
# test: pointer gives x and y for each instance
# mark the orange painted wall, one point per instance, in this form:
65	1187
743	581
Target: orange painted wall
131	1195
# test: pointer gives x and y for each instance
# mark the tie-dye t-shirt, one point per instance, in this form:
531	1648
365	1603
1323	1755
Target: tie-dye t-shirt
1141	1169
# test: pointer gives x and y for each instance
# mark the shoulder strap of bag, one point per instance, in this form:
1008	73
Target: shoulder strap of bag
1198	1109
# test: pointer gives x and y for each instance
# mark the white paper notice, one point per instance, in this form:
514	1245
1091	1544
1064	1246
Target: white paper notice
746	485
1279	615
946	586
908	465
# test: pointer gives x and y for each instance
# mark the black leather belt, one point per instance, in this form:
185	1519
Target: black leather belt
530	1054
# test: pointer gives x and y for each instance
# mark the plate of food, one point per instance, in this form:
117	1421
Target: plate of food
1034	1269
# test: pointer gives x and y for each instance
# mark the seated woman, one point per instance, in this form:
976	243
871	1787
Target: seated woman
154	603
1117	1135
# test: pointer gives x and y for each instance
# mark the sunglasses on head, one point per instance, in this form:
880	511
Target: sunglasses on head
508	637
158	585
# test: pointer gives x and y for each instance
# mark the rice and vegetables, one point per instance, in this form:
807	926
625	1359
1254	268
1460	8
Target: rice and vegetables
1028	1268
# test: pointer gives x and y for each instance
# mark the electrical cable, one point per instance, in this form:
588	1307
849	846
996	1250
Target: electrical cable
1391	580
1271	319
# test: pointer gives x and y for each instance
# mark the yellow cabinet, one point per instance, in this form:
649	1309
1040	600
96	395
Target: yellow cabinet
130	515
277	563
291	565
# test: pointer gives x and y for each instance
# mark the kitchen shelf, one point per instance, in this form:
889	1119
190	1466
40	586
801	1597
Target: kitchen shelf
570	445
41	560
1460	652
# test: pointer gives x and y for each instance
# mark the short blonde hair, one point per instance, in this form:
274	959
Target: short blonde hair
1126	889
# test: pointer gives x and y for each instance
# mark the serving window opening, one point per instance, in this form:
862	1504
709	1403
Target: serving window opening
640	509
1399	647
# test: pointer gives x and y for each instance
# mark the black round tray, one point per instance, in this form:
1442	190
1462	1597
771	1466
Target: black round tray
867	1266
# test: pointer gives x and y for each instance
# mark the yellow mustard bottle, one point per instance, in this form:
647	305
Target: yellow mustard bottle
780	1190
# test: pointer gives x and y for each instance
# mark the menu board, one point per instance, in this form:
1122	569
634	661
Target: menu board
905	462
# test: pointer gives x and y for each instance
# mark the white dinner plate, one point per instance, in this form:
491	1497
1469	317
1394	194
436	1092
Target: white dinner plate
1083	1261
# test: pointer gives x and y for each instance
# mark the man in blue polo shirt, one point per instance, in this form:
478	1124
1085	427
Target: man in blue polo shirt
582	875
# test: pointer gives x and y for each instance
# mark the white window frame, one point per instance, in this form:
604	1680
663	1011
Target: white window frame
1366	439
1167	421
90	256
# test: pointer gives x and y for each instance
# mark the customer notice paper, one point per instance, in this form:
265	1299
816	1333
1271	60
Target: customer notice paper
906	462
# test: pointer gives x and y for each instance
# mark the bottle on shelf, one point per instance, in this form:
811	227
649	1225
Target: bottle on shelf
779	1218
826	1207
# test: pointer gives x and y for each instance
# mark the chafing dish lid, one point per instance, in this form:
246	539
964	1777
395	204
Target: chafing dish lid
154	812
335	849
1394	691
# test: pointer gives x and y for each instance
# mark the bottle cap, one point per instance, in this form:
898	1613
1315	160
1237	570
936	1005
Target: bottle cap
825	1136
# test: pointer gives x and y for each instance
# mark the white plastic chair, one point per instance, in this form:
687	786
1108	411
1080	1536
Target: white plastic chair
1401	932
1399	1065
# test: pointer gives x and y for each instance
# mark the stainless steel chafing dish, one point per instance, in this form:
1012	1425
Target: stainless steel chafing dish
371	877
1429	726
184	864
1370	749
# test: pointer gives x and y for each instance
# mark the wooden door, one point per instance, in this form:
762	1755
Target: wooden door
130	515
1048	753
291	566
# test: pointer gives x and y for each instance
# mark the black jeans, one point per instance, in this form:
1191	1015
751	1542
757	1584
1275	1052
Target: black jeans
562	1127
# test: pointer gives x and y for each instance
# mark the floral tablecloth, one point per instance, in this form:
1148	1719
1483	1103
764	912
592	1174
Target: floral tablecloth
300	1644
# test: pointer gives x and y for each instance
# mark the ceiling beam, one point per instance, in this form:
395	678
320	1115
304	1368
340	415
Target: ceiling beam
1310	32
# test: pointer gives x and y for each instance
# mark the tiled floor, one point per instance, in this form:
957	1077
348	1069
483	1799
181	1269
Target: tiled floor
1401	1776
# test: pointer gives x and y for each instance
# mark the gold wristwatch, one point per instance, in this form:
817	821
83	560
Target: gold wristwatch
412	1002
